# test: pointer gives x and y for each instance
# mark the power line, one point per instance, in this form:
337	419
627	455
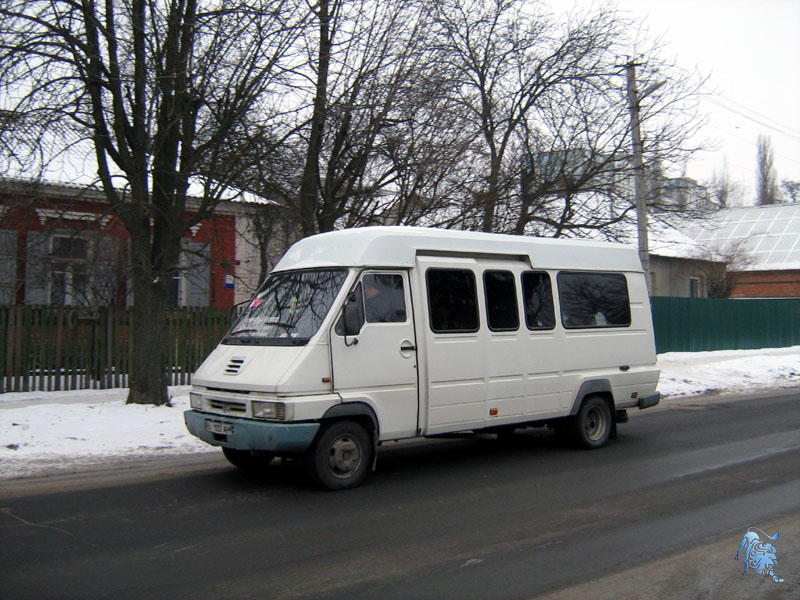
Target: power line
740	105
782	129
753	144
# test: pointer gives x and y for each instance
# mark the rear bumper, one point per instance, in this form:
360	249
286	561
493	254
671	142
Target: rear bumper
649	401
248	434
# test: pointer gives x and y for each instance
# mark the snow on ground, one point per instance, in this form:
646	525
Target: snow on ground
59	430
47	431
728	371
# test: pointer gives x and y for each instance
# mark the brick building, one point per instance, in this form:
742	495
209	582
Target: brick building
59	245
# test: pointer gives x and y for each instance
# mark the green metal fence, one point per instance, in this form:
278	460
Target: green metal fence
698	324
50	348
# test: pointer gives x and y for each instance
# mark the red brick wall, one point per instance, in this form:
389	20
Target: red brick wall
766	284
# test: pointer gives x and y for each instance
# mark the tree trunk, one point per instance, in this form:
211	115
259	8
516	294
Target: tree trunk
148	380
309	186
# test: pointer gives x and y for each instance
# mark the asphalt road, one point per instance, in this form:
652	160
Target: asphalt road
457	518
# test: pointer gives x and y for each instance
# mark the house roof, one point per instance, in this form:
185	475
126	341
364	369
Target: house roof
233	202
668	239
769	236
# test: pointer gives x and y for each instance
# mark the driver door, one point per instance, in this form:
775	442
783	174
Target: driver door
376	362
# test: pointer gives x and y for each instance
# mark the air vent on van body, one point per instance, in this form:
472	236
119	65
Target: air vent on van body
235	365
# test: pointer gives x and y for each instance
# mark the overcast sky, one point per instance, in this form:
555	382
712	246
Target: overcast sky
751	51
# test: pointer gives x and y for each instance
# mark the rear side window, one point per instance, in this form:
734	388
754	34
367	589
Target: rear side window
537	294
594	300
452	300
502	311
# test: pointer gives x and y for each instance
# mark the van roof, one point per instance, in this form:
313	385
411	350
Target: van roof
398	246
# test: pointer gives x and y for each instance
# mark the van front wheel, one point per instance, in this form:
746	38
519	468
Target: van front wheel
341	456
592	424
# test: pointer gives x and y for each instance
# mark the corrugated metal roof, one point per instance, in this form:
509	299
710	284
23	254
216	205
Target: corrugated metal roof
768	235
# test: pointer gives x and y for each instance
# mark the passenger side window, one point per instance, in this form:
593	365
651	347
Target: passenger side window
502	311
594	300
384	298
537	294
452	300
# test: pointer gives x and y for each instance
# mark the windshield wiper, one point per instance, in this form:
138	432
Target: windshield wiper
238	331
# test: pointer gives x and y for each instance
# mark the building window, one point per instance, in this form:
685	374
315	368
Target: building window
191	282
8	266
69	280
594	300
694	287
67	268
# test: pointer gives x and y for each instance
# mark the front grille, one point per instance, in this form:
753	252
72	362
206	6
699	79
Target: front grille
226	406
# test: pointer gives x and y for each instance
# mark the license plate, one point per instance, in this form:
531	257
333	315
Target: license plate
220	428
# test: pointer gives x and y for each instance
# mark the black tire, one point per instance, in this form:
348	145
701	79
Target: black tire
342	455
248	460
593	424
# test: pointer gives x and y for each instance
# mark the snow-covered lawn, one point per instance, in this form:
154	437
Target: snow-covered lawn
42	431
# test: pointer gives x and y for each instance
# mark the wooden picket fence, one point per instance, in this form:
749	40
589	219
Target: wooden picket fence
63	348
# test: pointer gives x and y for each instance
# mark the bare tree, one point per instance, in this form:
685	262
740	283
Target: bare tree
160	92
767	191
545	102
472	114
725	192
367	59
791	189
717	263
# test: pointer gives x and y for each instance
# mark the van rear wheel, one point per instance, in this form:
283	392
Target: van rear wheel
592	425
341	456
248	460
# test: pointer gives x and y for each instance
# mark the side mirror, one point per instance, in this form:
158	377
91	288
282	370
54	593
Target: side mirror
352	317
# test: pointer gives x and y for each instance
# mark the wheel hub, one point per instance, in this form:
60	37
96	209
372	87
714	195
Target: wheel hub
595	424
345	456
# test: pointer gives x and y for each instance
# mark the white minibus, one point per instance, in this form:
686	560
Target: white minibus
364	336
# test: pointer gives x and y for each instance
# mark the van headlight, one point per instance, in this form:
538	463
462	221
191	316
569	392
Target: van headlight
196	400
269	410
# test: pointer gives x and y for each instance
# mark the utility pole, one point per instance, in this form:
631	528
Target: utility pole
640	193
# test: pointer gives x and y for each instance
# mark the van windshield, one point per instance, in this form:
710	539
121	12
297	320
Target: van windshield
288	309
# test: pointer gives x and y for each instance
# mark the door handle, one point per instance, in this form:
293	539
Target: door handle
408	348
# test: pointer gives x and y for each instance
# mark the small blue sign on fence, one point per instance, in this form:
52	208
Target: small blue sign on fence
228	281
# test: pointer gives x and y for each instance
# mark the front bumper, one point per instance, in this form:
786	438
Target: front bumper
248	434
